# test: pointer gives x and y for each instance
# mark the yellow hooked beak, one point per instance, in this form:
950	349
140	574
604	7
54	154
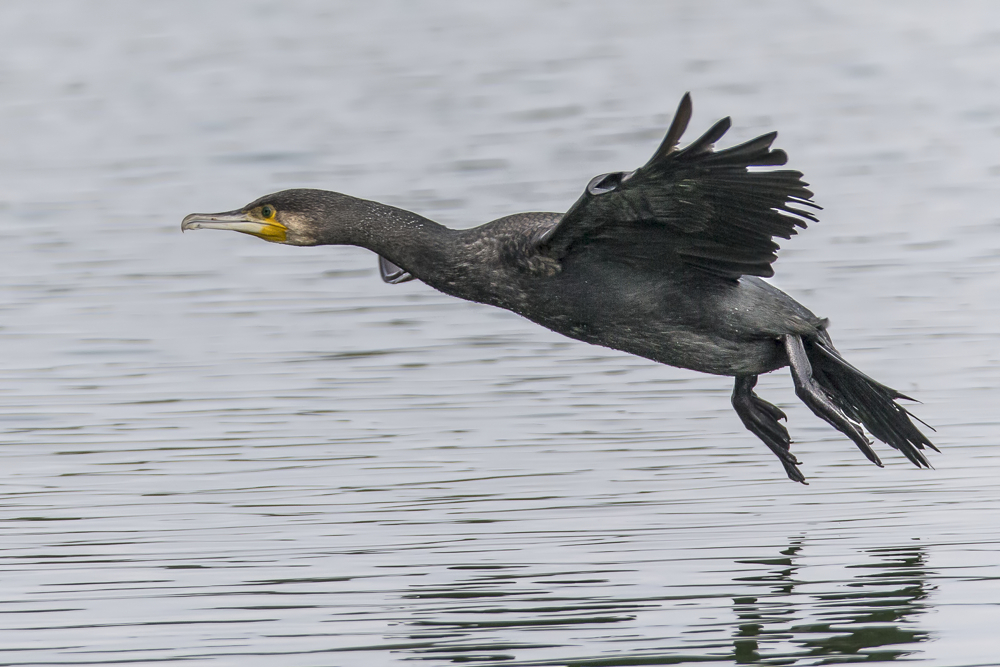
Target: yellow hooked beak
237	221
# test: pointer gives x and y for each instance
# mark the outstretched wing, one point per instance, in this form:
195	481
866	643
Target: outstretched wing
694	207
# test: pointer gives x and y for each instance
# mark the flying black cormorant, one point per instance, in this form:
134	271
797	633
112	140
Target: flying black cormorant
664	262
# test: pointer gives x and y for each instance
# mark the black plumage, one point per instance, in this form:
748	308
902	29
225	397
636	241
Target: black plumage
664	262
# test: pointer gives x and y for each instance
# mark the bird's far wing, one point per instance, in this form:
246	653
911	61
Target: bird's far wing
391	273
693	206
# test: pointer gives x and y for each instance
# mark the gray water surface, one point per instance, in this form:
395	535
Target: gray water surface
218	451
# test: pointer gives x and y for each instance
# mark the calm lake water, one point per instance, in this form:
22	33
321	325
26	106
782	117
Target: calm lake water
218	451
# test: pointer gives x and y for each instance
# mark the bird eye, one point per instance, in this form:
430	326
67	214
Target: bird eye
604	183
267	212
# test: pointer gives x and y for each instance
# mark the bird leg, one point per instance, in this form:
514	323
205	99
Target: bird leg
817	400
761	419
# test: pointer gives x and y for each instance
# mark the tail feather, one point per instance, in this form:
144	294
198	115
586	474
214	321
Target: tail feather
868	402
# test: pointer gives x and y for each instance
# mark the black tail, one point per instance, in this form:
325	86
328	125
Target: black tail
868	402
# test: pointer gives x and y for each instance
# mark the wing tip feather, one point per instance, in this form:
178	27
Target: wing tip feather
677	128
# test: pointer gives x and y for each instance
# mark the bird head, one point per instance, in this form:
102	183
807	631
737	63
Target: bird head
293	217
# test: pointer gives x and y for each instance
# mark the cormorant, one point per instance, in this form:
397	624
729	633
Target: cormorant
664	262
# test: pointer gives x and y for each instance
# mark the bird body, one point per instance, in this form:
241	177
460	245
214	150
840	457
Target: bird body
683	318
664	262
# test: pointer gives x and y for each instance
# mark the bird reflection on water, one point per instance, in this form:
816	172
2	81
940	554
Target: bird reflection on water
869	618
783	615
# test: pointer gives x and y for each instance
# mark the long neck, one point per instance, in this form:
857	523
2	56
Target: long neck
421	246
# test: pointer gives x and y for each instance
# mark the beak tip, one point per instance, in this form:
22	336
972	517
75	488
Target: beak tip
192	221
